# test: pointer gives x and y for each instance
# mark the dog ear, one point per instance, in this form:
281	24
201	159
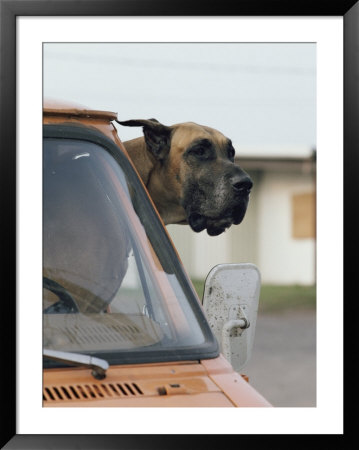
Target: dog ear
157	135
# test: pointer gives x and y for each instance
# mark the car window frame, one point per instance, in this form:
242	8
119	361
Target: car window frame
160	240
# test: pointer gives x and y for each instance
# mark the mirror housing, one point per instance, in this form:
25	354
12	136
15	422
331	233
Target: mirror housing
230	302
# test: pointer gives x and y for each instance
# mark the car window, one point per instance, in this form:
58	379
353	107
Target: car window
112	284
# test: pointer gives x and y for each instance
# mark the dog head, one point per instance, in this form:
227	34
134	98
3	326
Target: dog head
195	176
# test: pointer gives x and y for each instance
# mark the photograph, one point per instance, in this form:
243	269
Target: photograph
223	138
176	248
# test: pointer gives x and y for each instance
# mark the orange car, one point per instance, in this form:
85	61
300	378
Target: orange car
122	323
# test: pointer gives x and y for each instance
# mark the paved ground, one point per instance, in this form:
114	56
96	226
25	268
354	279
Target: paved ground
283	362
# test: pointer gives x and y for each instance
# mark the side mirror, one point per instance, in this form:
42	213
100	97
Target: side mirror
230	302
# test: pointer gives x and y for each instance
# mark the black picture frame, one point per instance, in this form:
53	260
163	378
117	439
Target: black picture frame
9	10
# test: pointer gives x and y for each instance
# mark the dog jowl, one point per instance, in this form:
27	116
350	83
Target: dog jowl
190	173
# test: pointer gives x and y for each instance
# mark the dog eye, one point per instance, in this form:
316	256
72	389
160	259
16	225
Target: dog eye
231	153
198	151
203	150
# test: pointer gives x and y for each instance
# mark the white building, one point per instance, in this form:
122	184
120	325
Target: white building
278	231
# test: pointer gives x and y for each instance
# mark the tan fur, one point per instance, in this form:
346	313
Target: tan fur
164	183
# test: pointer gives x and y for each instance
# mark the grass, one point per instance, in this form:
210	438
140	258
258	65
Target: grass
276	298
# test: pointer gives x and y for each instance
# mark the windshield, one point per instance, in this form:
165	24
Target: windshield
113	285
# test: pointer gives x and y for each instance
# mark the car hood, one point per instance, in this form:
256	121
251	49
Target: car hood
188	384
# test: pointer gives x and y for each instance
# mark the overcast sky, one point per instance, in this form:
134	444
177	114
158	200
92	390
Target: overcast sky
256	94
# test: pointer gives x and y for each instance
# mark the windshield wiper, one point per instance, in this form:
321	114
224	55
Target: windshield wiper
98	366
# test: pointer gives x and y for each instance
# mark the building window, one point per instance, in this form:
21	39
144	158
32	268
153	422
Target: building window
303	215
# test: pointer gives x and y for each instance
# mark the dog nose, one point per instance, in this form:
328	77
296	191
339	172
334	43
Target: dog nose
242	184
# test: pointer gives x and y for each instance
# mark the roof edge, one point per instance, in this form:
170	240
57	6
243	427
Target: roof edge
57	108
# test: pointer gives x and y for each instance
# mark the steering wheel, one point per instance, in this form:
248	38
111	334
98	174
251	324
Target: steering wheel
65	305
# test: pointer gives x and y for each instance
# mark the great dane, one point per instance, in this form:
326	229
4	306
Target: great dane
190	174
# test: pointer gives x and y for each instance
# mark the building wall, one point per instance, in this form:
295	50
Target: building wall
198	251
282	258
